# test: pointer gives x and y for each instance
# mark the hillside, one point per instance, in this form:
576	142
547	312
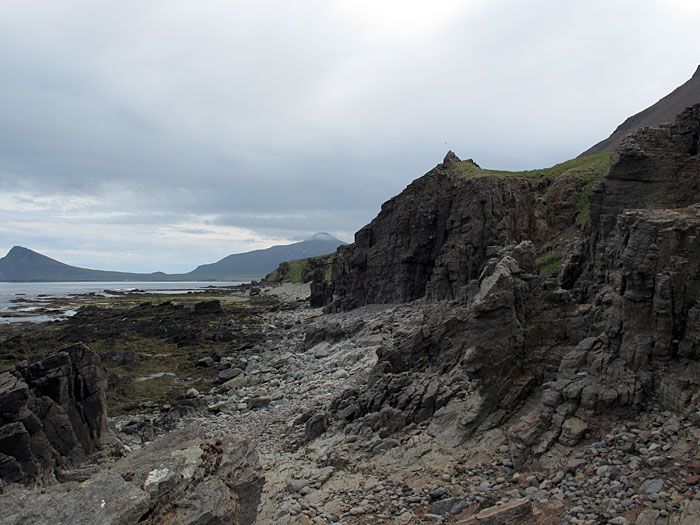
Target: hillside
665	110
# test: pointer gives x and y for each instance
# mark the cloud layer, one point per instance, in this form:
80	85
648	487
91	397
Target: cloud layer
160	135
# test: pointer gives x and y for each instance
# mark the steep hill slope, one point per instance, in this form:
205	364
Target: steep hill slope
665	110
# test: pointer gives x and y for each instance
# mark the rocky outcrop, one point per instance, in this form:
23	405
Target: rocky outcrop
181	478
437	235
469	366
432	238
639	268
543	357
52	415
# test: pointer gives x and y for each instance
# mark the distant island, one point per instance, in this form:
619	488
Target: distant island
25	265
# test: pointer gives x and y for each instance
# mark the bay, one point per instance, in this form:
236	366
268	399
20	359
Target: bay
39	291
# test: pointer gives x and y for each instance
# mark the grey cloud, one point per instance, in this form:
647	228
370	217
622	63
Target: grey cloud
285	118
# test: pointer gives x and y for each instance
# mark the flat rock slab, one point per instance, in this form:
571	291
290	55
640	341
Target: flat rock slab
516	512
179	479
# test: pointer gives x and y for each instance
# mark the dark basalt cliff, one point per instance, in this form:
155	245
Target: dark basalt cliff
500	345
436	236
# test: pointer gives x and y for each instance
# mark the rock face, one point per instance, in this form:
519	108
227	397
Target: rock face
180	478
466	366
542	356
438	234
432	238
52	415
640	268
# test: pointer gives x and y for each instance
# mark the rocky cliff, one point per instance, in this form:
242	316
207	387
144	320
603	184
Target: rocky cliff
435	237
545	357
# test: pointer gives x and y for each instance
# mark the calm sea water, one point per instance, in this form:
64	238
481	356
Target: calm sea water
37	291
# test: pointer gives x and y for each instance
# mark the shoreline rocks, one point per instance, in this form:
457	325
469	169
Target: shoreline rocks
52	415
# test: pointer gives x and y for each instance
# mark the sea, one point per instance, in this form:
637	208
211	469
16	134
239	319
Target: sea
39	291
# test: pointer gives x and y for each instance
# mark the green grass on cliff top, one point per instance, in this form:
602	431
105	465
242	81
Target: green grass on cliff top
591	168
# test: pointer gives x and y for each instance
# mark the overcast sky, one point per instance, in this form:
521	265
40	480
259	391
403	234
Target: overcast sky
164	134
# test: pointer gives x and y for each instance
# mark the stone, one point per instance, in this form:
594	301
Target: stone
180	477
228	374
656	461
235	383
208	307
205	362
515	512
384	446
191	393
647	517
443	506
652	486
691	513
572	431
259	402
315	426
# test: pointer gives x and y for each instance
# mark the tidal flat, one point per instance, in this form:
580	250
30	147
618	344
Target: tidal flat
149	342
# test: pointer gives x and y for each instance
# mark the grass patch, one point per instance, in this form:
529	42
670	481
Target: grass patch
584	201
549	263
295	269
591	168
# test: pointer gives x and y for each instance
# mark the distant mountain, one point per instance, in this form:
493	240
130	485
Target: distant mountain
25	265
665	110
258	263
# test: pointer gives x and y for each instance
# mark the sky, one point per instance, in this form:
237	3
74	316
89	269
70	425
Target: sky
160	135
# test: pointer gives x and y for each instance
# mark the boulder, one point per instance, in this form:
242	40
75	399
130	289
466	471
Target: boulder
180	478
572	431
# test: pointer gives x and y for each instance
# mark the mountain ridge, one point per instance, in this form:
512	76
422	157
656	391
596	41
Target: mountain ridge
25	265
663	111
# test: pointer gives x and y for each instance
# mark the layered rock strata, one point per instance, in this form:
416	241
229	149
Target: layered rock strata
542	356
52	415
